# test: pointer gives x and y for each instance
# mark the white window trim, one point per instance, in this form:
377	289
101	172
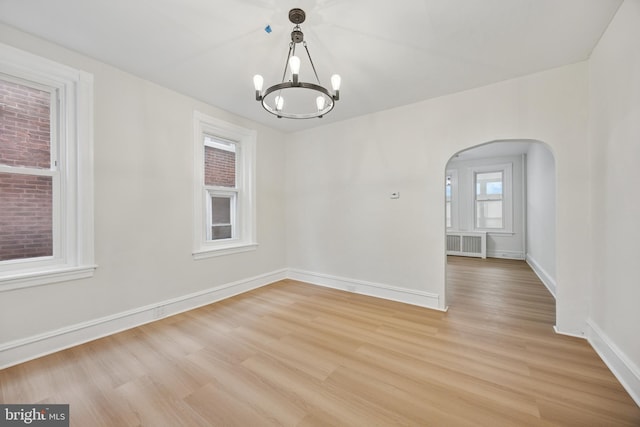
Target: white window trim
507	197
454	199
73	228
221	146
245	232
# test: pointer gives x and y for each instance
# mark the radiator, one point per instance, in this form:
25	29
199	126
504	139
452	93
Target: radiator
465	243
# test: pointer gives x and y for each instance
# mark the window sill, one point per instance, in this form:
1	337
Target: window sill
224	250
45	277
487	232
496	233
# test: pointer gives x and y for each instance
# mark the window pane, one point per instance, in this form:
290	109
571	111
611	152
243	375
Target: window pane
448	214
221	232
25	131
220	210
489	186
25	216
447	188
221	227
219	163
494	188
489	214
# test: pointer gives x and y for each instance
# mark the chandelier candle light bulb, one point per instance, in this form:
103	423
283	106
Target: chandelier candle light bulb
279	103
257	83
294	64
299	105
335	84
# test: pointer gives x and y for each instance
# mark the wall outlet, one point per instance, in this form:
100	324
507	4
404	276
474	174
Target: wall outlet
159	312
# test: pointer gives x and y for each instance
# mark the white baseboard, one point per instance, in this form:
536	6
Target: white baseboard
622	367
393	293
569	334
22	350
544	277
505	254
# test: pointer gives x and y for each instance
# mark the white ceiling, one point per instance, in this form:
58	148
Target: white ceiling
389	53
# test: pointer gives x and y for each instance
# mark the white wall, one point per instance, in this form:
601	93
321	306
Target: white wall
143	206
499	245
541	214
614	84
342	223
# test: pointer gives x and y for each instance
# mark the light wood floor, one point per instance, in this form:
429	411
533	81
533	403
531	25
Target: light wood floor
296	354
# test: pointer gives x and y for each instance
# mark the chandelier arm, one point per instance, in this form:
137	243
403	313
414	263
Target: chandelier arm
311	61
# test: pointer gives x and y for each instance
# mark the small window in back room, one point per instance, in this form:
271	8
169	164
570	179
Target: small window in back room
489	195
448	200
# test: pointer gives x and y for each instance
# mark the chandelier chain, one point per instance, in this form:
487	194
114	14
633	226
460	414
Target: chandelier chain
311	61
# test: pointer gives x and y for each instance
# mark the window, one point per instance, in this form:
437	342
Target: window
492	198
28	175
46	221
489	208
448	201
224	188
222	191
451	199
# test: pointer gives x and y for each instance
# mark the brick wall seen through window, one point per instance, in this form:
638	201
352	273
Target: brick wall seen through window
219	167
25	199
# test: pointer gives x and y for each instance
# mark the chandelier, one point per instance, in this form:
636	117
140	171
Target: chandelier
299	102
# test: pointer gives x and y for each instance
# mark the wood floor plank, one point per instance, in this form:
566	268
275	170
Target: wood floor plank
293	354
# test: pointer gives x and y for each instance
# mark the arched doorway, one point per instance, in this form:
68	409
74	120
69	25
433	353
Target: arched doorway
501	195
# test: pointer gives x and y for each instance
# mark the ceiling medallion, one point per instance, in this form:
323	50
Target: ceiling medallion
299	104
